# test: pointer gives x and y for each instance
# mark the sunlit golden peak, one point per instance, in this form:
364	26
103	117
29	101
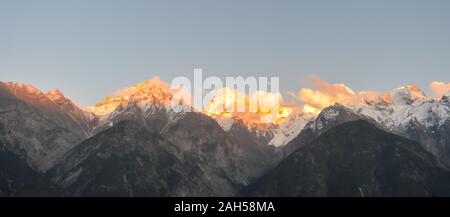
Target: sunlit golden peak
152	91
55	94
30	89
258	108
414	91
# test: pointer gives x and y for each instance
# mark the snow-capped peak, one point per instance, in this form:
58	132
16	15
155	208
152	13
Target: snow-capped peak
146	94
291	127
406	95
409	104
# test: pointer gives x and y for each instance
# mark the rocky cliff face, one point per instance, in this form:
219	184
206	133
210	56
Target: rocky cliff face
86	120
199	136
44	129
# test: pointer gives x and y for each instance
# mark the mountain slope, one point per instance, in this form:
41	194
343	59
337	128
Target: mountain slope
85	120
274	134
17	178
328	118
356	159
44	130
199	136
129	160
411	114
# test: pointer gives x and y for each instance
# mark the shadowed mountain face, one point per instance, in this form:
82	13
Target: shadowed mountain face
413	115
329	118
435	139
129	160
16	177
356	159
200	137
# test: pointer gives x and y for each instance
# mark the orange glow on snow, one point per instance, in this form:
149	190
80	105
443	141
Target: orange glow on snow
258	107
439	88
257	110
153	91
325	94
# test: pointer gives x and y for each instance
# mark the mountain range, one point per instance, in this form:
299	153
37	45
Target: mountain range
136	145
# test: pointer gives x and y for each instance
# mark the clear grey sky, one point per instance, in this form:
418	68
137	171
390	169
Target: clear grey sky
90	48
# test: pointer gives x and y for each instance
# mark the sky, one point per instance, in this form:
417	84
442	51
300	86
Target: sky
91	48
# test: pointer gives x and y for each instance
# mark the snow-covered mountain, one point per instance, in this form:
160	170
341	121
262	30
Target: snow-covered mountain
406	111
195	156
50	131
412	114
406	104
148	103
276	135
289	129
